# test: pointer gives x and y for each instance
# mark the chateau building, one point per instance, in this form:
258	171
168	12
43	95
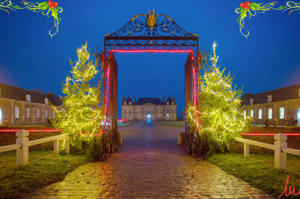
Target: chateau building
282	105
149	109
20	106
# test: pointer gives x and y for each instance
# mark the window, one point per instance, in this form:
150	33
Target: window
270	113
28	98
281	113
27	113
0	92
298	92
252	113
46	114
46	100
17	112
245	114
1	116
251	101
37	113
269	98
259	114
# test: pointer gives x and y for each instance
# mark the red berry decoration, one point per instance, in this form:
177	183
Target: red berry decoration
52	4
247	5
55	4
242	5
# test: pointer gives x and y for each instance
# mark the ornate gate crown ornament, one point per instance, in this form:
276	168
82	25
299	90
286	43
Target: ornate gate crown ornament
151	31
151	19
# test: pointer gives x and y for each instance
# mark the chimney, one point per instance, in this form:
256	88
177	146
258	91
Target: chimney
123	99
163	99
134	99
174	99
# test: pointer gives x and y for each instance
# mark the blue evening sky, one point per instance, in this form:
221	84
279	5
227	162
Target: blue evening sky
268	59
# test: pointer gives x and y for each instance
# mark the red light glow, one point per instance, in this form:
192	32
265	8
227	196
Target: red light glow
8	130
108	79
151	51
32	130
107	97
269	134
99	133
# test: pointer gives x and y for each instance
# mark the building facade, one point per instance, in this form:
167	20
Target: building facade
20	106
149	109
280	105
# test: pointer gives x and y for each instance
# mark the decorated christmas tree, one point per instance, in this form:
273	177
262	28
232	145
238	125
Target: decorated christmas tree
80	115
219	114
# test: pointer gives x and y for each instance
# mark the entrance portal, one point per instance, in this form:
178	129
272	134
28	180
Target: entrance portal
148	117
151	33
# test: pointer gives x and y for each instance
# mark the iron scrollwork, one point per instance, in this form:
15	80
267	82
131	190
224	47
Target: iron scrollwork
151	32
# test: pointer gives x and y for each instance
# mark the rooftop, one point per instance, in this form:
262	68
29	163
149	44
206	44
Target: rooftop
16	93
285	93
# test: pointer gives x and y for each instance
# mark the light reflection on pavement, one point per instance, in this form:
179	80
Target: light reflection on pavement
150	165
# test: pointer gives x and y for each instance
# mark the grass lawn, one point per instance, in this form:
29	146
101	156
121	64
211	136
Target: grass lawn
259	170
175	123
45	168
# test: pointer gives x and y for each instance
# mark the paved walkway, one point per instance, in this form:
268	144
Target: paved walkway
150	165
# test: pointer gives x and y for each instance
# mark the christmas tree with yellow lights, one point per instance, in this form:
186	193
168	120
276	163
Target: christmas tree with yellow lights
218	117
80	115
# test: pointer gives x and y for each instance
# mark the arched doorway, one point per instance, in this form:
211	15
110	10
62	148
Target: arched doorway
149	117
168	116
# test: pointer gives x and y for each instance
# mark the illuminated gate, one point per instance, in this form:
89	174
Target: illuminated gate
152	33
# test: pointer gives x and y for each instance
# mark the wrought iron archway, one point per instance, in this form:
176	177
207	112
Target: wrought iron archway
151	33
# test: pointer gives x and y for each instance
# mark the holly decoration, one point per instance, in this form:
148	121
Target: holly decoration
52	4
48	9
249	9
245	5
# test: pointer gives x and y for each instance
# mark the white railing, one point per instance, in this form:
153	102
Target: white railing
22	145
280	149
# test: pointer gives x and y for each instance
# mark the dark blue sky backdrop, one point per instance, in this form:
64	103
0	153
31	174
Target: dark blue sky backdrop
268	59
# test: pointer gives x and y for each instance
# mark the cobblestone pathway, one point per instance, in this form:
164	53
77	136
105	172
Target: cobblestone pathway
150	165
